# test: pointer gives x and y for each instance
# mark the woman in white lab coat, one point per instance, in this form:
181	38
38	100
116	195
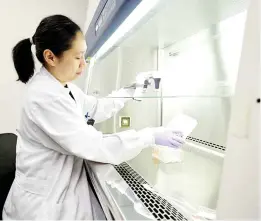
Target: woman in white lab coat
53	136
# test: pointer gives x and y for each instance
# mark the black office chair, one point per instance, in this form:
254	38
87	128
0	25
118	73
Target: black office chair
7	165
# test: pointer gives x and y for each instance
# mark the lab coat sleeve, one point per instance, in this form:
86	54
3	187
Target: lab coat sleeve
105	108
60	120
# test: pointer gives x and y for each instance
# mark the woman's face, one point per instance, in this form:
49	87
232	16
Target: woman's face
72	63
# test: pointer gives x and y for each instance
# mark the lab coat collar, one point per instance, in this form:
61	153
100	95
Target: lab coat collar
46	72
57	83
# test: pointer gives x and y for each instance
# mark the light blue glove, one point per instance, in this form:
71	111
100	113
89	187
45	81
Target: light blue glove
169	138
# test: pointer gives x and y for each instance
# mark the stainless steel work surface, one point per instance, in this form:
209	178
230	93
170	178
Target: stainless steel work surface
115	195
194	180
181	189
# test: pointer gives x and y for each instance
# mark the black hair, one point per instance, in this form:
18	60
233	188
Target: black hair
55	33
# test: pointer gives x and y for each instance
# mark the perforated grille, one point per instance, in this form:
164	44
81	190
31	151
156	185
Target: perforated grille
206	143
160	208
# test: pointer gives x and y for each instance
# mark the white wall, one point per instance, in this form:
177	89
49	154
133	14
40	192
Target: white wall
18	20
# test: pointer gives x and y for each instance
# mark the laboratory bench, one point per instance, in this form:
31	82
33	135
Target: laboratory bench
146	188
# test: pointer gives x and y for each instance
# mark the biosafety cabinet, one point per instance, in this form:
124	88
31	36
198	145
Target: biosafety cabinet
199	48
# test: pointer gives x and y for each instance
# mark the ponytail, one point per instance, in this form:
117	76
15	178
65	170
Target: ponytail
23	60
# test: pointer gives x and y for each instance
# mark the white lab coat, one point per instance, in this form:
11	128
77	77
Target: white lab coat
53	140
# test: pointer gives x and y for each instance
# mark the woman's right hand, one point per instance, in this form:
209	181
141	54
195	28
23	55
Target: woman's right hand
169	138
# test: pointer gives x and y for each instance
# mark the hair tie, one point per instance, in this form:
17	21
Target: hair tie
31	40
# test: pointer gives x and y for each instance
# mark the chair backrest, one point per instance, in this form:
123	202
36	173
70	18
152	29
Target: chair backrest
7	165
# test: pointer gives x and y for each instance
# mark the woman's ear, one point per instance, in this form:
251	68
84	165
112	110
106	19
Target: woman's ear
49	57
